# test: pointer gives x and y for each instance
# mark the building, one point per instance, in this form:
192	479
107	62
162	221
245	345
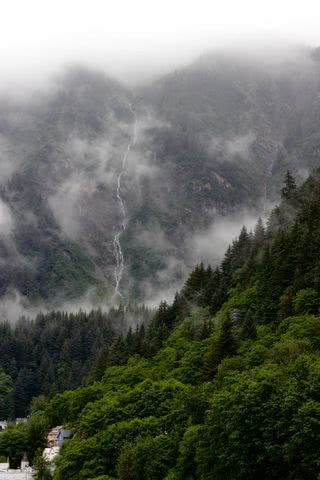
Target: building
57	436
53	436
3	425
50	453
20	420
12	474
23	473
55	440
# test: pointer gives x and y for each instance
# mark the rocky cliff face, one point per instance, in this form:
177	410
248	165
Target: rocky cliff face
213	139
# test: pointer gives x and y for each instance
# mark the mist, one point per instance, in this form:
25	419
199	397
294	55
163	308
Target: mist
139	41
212	138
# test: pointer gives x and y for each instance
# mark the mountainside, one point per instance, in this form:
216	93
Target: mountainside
223	383
212	140
55	351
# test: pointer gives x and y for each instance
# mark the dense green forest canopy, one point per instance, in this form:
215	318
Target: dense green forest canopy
222	384
55	352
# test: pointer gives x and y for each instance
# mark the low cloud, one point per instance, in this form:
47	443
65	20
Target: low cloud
302	174
9	160
155	240
210	245
233	147
168	281
6	220
86	165
13	306
66	205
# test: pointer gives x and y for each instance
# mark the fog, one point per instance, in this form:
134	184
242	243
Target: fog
232	148
138	40
135	42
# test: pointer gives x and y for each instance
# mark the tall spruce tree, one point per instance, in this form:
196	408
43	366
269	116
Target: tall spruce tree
290	187
226	346
249	330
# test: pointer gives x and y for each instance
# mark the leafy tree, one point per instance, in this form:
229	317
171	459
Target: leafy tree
307	301
42	467
147	459
6	399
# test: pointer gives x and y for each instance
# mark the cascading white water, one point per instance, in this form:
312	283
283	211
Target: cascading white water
117	249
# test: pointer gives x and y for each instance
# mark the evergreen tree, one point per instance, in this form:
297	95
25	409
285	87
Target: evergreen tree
205	330
196	283
289	190
224	347
6	396
249	330
259	234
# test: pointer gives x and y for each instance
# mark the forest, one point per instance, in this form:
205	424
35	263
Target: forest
221	384
54	352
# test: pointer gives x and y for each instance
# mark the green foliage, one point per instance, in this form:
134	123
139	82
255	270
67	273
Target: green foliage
225	346
249	330
222	384
257	419
138	461
42	467
14	443
6	396
57	350
307	301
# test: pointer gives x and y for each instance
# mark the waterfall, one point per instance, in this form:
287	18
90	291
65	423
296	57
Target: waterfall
117	249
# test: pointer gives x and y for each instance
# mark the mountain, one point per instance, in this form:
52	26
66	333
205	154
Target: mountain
213	141
63	143
223	383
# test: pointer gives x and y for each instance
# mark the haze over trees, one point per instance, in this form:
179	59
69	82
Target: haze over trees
160	240
55	352
222	383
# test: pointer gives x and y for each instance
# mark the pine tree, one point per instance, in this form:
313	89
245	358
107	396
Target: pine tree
180	307
225	347
196	283
259	234
290	188
118	352
130	342
205	330
249	330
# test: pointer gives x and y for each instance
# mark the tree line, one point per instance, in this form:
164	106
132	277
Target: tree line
222	383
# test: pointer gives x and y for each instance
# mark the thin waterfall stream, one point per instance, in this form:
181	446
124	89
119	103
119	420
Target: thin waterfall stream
117	248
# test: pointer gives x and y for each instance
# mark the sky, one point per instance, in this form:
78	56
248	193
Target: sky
132	39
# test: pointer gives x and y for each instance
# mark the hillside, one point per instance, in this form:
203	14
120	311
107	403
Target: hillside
213	140
223	383
55	352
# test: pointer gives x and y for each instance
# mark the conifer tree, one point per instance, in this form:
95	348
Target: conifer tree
290	188
259	234
249	330
196	283
225	347
205	330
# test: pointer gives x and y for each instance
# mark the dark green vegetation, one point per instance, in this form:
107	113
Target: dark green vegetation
55	352
214	137
222	384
